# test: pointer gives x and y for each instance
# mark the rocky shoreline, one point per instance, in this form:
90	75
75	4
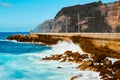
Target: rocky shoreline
47	40
98	63
97	60
93	45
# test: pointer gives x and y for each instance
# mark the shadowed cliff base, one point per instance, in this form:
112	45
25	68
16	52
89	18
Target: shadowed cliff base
88	46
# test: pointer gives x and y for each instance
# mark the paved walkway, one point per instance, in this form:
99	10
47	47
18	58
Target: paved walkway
91	35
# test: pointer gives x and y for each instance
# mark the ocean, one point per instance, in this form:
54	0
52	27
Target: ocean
23	61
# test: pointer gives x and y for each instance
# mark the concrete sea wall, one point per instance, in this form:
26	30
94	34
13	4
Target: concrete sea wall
93	43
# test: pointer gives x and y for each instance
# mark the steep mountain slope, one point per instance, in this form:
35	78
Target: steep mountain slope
45	27
92	17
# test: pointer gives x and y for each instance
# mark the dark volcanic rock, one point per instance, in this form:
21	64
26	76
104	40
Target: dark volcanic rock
45	39
47	58
20	38
99	58
92	17
59	67
98	63
86	64
116	66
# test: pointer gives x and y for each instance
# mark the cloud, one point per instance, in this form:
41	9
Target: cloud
4	4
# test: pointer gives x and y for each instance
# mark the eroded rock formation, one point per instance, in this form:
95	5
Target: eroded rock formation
99	63
43	39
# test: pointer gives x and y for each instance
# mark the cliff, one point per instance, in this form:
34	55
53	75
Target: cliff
91	17
113	16
45	27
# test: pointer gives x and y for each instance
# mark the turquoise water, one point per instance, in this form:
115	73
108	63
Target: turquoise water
13	47
22	61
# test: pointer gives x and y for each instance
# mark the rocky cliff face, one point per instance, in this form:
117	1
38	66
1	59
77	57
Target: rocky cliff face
113	16
45	27
92	17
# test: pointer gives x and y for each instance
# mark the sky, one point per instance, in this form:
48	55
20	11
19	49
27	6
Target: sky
25	15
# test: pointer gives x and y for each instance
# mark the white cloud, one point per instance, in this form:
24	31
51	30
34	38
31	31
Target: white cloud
4	4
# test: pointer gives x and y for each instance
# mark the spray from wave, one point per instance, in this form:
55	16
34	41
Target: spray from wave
29	66
60	48
63	46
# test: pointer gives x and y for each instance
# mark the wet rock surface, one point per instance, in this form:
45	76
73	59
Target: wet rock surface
110	48
21	38
45	39
99	63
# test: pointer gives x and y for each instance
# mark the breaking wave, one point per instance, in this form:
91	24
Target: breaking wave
29	66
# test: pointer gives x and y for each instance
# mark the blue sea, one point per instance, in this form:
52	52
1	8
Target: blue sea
22	61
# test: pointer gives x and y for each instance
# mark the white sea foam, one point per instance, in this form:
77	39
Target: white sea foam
31	67
63	46
60	48
88	75
113	60
8	40
15	41
68	69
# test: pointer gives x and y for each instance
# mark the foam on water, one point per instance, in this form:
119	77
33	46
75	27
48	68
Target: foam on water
29	66
8	40
68	69
89	75
60	48
25	67
63	46
113	60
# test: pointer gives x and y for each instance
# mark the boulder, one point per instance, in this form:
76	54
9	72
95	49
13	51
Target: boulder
105	72
107	63
99	57
75	55
84	56
75	77
116	66
20	38
59	67
56	57
47	58
117	76
85	65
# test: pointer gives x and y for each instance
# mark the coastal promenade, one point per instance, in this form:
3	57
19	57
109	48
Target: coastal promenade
96	43
113	36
